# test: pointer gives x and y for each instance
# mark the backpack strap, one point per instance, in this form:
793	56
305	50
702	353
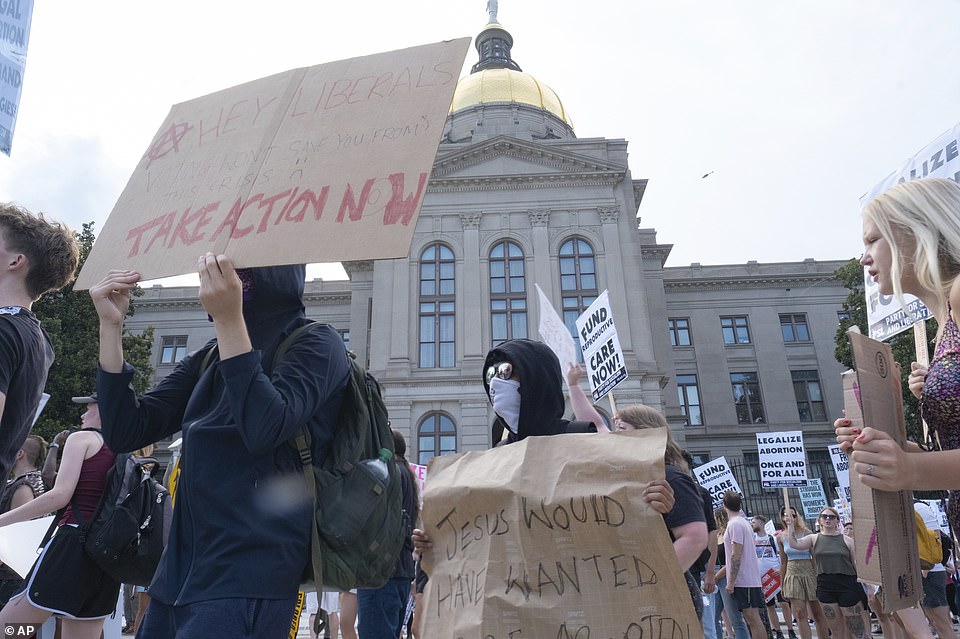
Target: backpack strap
301	441
207	360
57	516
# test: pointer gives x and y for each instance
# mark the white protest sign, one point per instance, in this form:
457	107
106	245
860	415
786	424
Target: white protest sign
783	461
19	542
940	158
937	506
812	498
15	18
717	478
318	164
841	466
555	334
602	355
885	317
44	398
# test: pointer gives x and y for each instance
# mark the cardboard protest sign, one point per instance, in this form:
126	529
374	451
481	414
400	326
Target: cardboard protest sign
888	554
783	461
841	466
15	18
555	334
550	537
602	355
813	499
717	478
318	164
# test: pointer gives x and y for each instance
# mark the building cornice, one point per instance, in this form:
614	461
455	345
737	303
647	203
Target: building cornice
748	282
659	251
523	182
565	161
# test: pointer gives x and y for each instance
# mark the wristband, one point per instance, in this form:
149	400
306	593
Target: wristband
54	445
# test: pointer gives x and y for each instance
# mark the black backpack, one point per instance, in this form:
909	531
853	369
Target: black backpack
129	530
359	524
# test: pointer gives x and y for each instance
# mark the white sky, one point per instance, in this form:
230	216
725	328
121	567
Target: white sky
796	108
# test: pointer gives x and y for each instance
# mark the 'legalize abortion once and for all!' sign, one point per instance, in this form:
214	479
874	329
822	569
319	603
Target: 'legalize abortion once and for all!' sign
550	537
320	164
783	462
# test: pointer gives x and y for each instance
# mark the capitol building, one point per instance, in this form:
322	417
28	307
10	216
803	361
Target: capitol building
515	199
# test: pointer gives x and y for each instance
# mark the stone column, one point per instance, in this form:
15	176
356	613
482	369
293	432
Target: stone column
471	338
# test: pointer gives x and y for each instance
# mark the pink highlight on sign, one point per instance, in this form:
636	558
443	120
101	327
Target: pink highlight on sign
872	544
856	393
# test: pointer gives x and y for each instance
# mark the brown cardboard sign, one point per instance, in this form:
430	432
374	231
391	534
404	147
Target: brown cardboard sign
318	164
883	524
550	537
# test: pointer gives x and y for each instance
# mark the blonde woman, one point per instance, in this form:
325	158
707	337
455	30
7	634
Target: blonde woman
911	238
800	579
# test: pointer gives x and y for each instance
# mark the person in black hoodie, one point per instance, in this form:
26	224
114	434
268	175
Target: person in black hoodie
523	381
239	540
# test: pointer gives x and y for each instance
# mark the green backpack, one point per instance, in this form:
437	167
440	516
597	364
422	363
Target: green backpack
359	522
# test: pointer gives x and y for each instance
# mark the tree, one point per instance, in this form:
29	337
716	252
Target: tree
904	351
71	321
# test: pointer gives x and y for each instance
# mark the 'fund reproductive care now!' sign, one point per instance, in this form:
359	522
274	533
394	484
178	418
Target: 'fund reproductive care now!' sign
717	478
783	461
600	346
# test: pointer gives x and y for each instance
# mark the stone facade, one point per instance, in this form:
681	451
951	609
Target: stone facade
509	172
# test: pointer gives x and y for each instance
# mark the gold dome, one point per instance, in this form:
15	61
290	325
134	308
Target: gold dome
506	85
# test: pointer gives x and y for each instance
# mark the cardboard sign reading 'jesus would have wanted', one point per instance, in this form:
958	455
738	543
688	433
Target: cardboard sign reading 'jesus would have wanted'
550	537
320	164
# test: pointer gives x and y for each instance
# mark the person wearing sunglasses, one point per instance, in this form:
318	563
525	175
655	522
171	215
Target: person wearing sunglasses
524	384
838	591
800	577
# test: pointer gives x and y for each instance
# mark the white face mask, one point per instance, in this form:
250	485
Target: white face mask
505	395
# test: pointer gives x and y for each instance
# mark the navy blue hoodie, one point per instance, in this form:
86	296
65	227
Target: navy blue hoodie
241	521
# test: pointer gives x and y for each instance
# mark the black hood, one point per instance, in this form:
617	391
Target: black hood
541	386
275	305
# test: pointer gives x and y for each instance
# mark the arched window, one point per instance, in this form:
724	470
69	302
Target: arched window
508	293
578	282
436	435
437	308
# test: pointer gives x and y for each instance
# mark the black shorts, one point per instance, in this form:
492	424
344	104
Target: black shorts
66	581
935	590
843	590
748	598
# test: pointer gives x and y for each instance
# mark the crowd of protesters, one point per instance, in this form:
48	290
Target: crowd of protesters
236	420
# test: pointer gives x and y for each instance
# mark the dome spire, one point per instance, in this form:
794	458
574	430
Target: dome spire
494	44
